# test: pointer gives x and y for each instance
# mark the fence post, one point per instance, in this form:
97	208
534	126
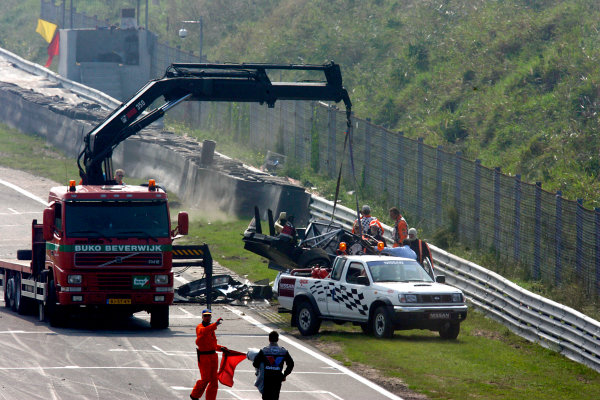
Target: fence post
537	236
597	286
558	240
419	179
438	186
366	182
579	246
331	142
400	170
308	135
297	133
517	228
384	165
477	203
457	188
497	246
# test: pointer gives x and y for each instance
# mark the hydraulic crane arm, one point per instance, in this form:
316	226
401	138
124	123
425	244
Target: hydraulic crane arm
200	82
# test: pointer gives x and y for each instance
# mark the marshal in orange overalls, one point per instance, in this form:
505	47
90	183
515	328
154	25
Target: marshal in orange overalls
208	361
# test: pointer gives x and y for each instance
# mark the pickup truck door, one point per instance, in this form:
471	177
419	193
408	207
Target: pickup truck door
333	303
352	292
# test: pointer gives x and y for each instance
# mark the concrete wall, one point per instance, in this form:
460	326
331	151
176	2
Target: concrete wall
172	160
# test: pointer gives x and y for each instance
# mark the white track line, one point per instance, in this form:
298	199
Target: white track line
23	192
318	356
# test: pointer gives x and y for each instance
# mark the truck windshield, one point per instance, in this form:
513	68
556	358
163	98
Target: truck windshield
398	271
110	219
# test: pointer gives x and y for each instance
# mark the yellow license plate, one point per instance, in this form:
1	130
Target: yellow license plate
119	301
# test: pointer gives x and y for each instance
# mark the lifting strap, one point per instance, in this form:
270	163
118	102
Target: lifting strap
347	141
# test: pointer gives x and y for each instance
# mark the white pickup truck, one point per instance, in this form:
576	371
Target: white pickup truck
379	293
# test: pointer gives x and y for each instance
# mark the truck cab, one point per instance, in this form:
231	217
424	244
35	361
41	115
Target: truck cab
109	246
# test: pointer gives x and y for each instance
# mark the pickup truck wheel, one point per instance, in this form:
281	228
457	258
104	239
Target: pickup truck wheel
307	321
449	331
159	317
382	323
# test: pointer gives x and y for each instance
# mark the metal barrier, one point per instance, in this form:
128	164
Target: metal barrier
533	317
82	90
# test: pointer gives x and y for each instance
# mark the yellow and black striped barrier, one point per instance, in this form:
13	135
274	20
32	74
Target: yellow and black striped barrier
189	252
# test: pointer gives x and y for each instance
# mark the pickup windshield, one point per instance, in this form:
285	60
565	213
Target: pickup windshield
398	271
111	219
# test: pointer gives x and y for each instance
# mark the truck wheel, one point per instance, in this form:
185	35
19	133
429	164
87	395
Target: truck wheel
9	291
57	314
19	302
314	258
306	319
14	294
449	331
382	323
159	317
6	297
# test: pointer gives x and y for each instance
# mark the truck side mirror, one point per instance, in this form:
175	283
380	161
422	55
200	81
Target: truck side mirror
48	229
362	280
183	223
440	278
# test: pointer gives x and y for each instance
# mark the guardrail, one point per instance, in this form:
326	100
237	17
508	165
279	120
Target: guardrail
533	317
82	90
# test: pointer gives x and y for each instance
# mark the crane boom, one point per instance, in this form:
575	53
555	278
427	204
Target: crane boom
200	82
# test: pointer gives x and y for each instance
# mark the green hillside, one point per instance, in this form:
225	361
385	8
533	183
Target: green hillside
514	83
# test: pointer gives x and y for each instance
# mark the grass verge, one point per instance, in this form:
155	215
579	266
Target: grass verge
487	361
31	154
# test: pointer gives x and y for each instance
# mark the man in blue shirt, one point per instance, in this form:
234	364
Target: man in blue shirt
400	251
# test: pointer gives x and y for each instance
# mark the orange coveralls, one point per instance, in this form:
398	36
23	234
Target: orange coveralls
400	231
208	361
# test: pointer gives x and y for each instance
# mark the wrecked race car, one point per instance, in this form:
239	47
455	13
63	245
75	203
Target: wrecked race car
317	245
224	289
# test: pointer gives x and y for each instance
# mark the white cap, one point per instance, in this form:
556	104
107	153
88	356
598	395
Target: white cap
412	231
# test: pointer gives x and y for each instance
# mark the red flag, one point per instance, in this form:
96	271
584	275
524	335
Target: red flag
53	49
229	361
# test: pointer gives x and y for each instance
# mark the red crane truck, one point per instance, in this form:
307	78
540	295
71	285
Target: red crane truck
107	246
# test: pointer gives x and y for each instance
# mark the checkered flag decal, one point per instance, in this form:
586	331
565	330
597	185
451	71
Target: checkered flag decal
349	298
318	288
352	300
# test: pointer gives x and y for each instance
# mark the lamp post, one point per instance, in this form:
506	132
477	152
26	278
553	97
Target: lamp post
183	32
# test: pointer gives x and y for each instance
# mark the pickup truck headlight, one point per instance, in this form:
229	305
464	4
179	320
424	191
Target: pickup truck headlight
407	298
457	298
74	279
161	279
